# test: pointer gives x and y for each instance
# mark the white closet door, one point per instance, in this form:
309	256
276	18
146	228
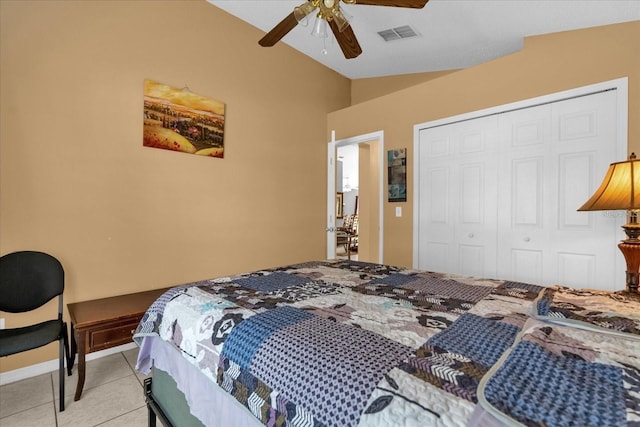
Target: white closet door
553	156
497	195
457	171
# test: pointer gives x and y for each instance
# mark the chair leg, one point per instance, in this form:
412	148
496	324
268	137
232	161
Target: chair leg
66	349
61	370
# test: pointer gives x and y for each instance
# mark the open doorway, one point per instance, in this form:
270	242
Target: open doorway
370	175
347	187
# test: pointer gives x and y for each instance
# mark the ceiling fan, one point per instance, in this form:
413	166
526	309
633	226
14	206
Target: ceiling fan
329	11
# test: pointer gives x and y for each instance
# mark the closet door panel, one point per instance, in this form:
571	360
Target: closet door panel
471	220
435	246
523	206
575	174
437	218
472	194
506	207
526	265
583	244
577	267
526	192
436	256
471	260
457	198
476	221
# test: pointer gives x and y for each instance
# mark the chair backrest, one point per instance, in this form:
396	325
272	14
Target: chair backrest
350	223
28	280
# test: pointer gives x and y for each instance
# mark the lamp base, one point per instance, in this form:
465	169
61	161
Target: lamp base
631	251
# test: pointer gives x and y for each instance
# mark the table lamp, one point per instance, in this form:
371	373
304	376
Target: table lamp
620	189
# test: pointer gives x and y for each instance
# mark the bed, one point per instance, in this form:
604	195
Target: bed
348	343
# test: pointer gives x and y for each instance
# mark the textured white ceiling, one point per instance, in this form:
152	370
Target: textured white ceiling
453	33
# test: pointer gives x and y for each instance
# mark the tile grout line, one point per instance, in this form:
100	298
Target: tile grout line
133	410
53	404
133	369
120	415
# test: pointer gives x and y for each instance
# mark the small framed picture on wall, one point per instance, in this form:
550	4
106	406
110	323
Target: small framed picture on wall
397	171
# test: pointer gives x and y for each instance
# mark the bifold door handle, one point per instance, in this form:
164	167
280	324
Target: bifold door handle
527	239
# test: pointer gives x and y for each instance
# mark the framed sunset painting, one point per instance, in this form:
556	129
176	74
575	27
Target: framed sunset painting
180	120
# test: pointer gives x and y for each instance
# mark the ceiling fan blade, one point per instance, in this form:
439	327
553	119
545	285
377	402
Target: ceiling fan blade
347	40
417	4
279	31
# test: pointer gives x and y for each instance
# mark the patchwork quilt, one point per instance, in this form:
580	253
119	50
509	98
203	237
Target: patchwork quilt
566	376
347	343
612	312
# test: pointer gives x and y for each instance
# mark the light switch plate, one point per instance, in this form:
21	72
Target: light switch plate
398	210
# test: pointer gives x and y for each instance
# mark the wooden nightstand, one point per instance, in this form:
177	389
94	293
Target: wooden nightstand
104	323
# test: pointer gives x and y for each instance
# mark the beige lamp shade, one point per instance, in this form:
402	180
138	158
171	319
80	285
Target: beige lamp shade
620	188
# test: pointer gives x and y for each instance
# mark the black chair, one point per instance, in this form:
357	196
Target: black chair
28	280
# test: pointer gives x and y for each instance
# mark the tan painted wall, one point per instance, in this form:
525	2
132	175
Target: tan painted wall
369	201
75	180
366	89
547	64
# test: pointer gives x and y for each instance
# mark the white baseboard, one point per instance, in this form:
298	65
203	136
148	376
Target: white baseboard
52	365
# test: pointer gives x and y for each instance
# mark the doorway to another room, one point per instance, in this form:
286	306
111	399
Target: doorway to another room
354	195
347	187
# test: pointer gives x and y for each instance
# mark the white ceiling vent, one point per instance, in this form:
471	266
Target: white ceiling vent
404	32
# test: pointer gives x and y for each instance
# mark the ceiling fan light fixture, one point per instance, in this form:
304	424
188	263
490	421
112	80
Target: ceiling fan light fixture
301	12
302	19
341	19
319	28
330	15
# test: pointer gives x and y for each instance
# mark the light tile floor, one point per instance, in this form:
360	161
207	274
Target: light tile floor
341	253
112	397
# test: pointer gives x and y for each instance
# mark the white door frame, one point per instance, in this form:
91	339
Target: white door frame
331	187
620	85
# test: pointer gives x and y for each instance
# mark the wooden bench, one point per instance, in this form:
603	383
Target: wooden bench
105	323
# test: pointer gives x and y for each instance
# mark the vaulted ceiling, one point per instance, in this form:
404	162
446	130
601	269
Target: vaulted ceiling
451	34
